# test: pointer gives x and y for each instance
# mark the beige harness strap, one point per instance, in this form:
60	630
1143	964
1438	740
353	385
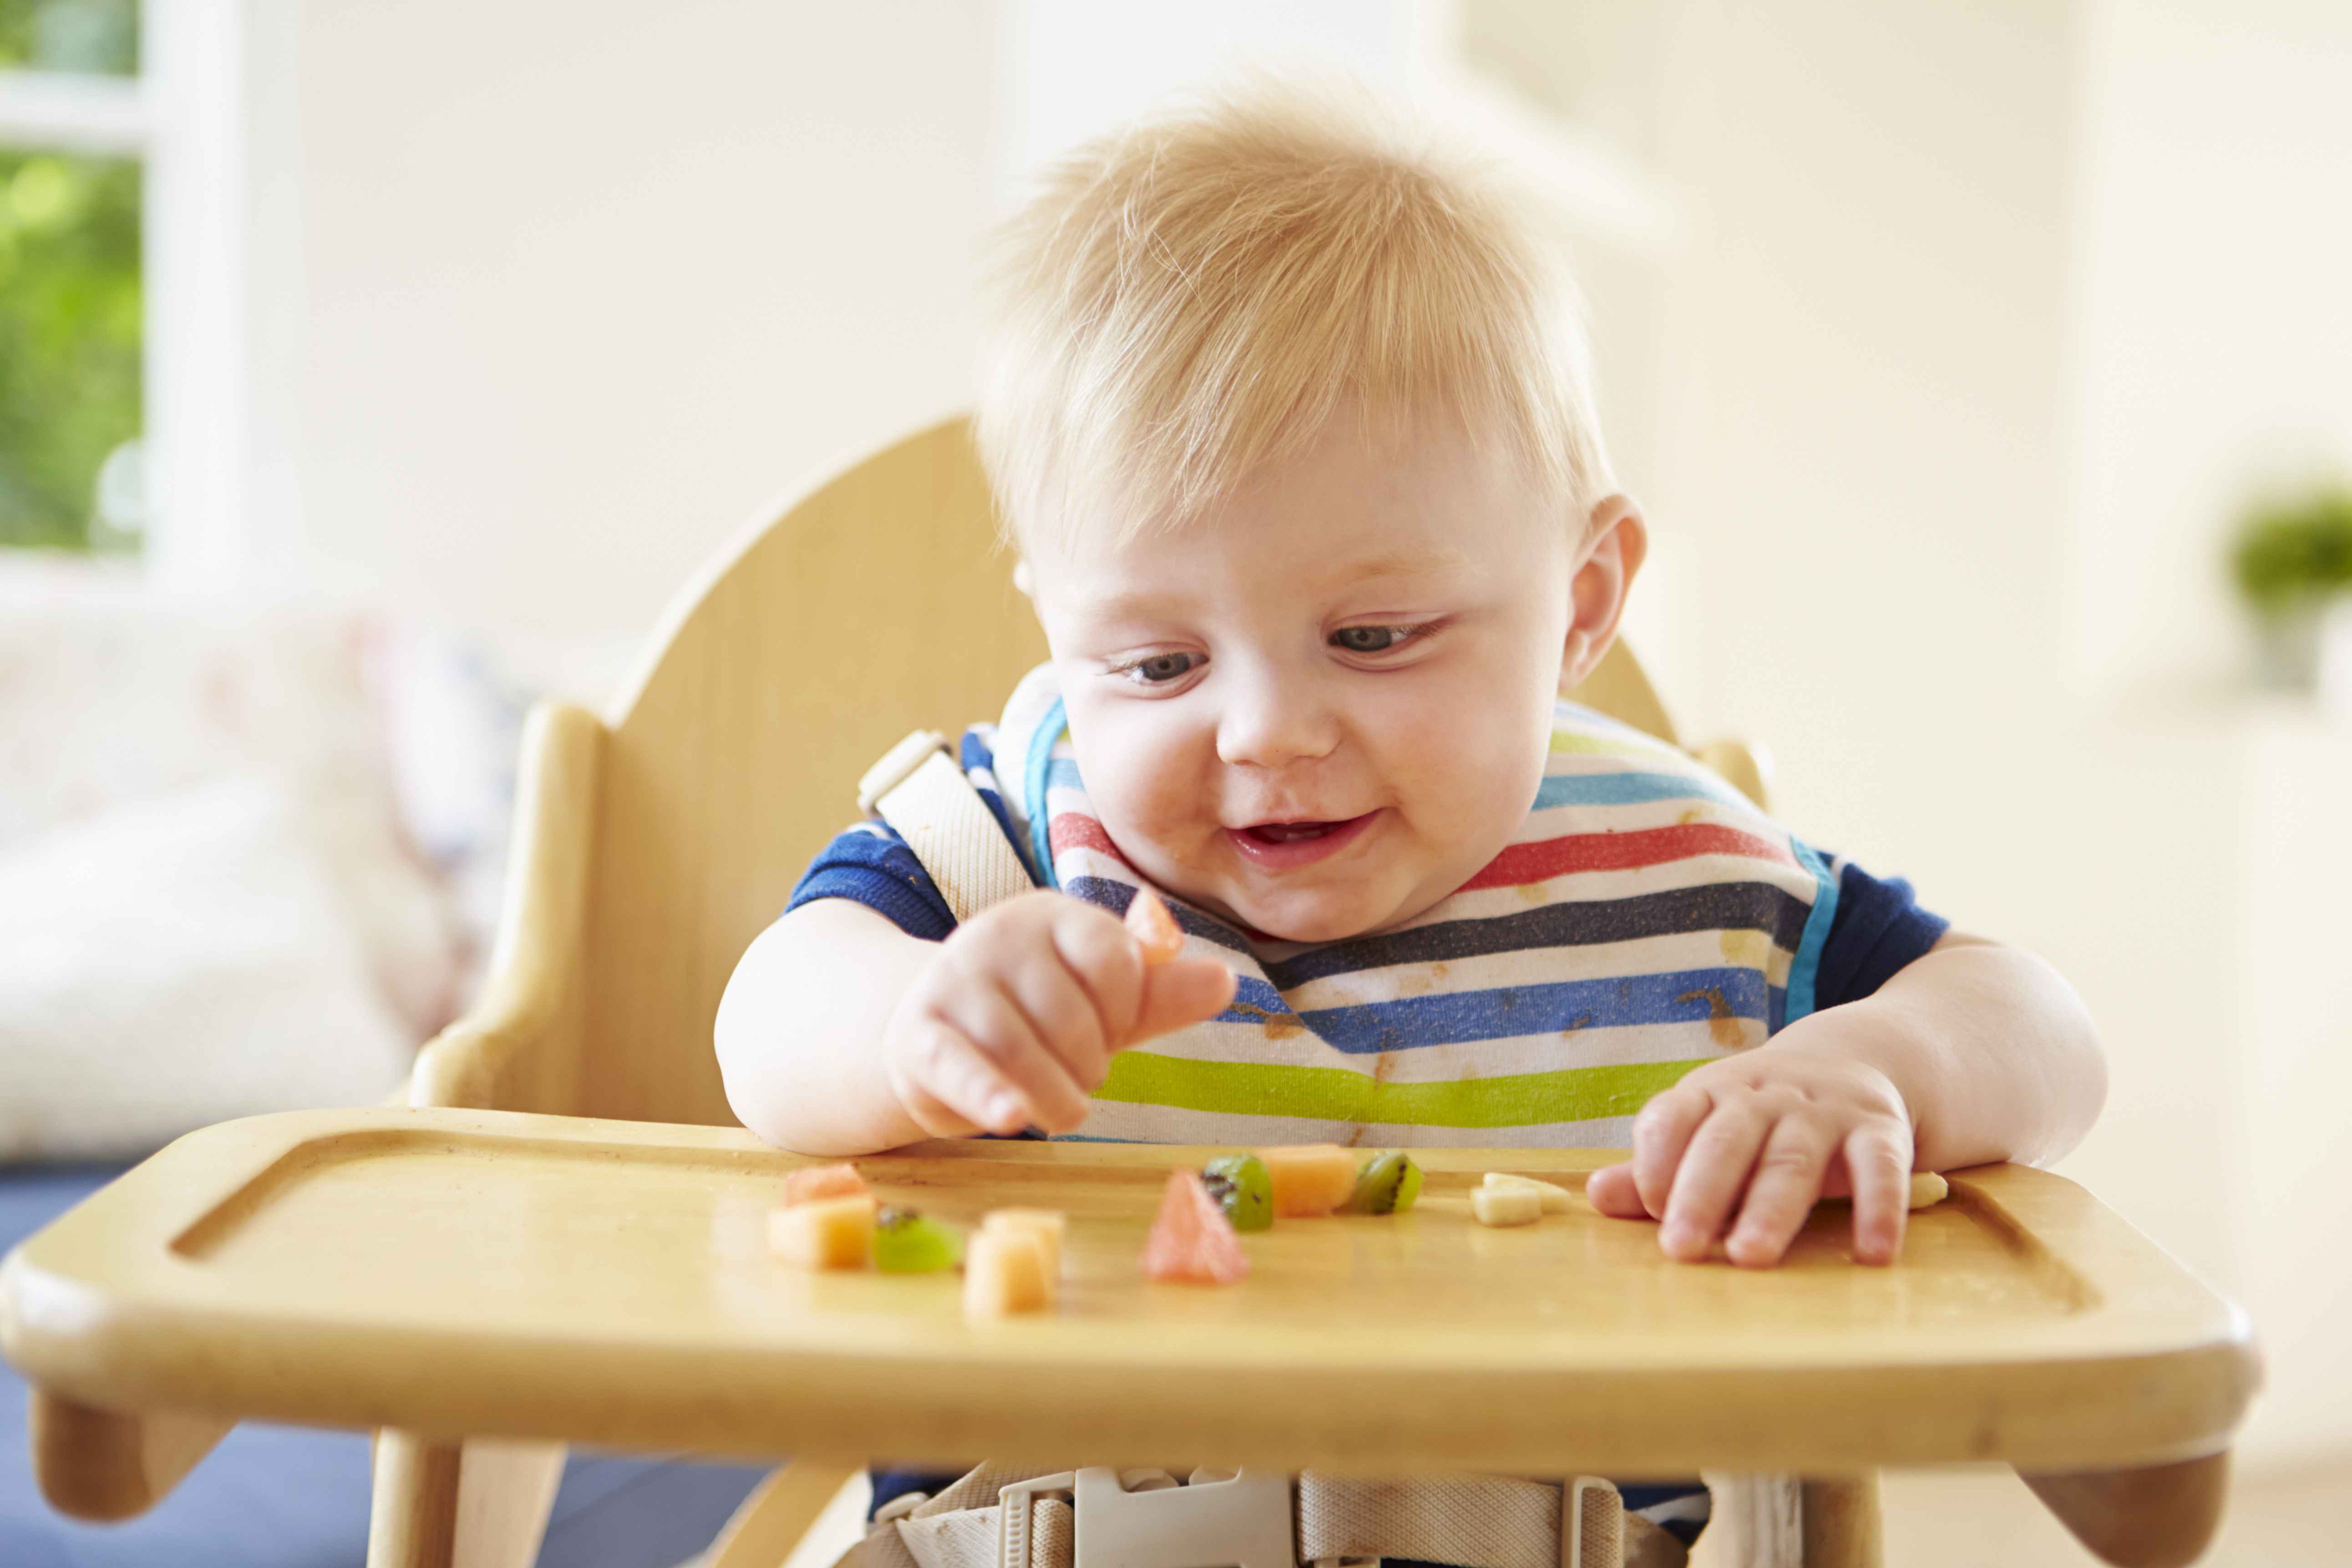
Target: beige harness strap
920	790
1476	1522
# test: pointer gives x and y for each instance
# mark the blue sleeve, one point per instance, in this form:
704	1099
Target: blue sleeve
872	865
1878	927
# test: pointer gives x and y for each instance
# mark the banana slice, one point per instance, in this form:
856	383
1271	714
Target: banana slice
1556	1199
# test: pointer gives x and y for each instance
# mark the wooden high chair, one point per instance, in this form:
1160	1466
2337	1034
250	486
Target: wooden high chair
556	1242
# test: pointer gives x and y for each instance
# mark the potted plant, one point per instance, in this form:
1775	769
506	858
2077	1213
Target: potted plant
2292	561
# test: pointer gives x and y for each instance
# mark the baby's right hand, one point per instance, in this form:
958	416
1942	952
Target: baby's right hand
1015	1022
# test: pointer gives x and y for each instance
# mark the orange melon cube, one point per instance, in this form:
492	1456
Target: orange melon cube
824	1233
812	1182
1154	929
1005	1272
1048	1225
1309	1179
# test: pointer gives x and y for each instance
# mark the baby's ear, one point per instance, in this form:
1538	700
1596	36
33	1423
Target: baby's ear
1615	542
1024	580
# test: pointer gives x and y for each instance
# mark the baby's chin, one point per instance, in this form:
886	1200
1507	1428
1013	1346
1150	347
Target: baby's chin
1315	915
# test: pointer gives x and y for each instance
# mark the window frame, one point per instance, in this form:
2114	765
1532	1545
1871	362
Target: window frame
182	117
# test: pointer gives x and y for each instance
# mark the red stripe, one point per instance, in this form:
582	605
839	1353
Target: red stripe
1071	831
1524	863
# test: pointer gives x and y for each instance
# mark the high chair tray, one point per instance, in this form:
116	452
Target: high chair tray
467	1273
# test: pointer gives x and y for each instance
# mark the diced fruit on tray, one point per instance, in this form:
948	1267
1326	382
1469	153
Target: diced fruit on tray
1927	1187
907	1241
1047	1225
1150	924
1507	1206
1385	1183
1191	1242
1243	1189
811	1182
1309	1179
1556	1199
1005	1272
824	1233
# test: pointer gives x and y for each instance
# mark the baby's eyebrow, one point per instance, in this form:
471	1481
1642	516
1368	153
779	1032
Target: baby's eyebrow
1420	562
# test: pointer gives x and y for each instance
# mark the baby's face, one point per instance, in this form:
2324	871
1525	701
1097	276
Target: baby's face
1322	707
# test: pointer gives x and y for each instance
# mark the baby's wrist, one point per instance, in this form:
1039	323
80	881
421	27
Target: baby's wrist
1888	1039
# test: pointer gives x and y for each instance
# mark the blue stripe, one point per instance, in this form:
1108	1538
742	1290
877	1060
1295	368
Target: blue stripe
1805	970
1032	773
1632	789
1681	996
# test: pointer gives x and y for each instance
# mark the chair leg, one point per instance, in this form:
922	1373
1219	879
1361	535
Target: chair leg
2158	1516
779	1513
1842	1525
438	1505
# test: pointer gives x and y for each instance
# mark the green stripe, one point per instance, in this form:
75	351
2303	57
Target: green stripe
1334	1094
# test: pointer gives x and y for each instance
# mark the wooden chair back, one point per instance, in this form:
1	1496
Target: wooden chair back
874	603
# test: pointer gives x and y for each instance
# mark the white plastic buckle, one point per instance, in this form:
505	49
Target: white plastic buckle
1244	1522
1571	1517
897	765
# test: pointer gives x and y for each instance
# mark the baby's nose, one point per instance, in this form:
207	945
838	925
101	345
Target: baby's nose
1272	724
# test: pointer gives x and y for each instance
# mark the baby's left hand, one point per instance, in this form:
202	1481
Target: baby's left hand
1759	1137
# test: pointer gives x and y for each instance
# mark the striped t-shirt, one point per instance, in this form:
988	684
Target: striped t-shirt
1645	919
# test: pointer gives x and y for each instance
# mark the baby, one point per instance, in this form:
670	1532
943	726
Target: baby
1287	422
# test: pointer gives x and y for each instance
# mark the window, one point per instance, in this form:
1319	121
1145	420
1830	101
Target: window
73	132
127	281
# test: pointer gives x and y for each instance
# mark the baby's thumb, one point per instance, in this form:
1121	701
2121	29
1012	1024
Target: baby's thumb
1180	991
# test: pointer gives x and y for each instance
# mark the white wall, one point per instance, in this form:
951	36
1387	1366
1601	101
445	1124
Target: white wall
1985	314
582	284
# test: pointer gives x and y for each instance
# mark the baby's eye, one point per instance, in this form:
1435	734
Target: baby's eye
1372	639
1161	668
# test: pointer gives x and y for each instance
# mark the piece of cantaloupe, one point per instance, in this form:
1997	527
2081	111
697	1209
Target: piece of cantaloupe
1049	1225
1005	1272
824	1233
1154	929
1192	1242
1310	1180
812	1182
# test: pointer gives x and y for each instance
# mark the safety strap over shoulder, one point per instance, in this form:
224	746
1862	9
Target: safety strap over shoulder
917	789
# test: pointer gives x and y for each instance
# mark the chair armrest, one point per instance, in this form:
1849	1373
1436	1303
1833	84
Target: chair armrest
519	1047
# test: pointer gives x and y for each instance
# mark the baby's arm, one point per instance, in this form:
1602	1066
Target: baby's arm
840	1034
1972	1052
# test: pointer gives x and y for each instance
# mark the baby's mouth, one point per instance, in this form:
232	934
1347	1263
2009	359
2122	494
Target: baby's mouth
1281	845
1289	832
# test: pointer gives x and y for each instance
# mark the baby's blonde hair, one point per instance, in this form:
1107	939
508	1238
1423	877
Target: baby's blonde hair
1195	296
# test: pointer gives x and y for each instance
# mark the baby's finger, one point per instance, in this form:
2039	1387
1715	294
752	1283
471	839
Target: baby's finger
1061	1014
1002	1033
1107	961
1713	1169
1781	1193
1611	1191
947	1079
1878	1164
1660	1132
1180	992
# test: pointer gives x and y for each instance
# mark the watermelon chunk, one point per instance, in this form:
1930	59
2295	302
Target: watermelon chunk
810	1183
1191	1242
1150	924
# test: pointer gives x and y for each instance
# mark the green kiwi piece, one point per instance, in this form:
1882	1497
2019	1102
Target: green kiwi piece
1243	1189
1387	1184
907	1241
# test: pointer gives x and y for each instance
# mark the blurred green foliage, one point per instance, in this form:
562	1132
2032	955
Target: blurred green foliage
69	338
2293	553
101	36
